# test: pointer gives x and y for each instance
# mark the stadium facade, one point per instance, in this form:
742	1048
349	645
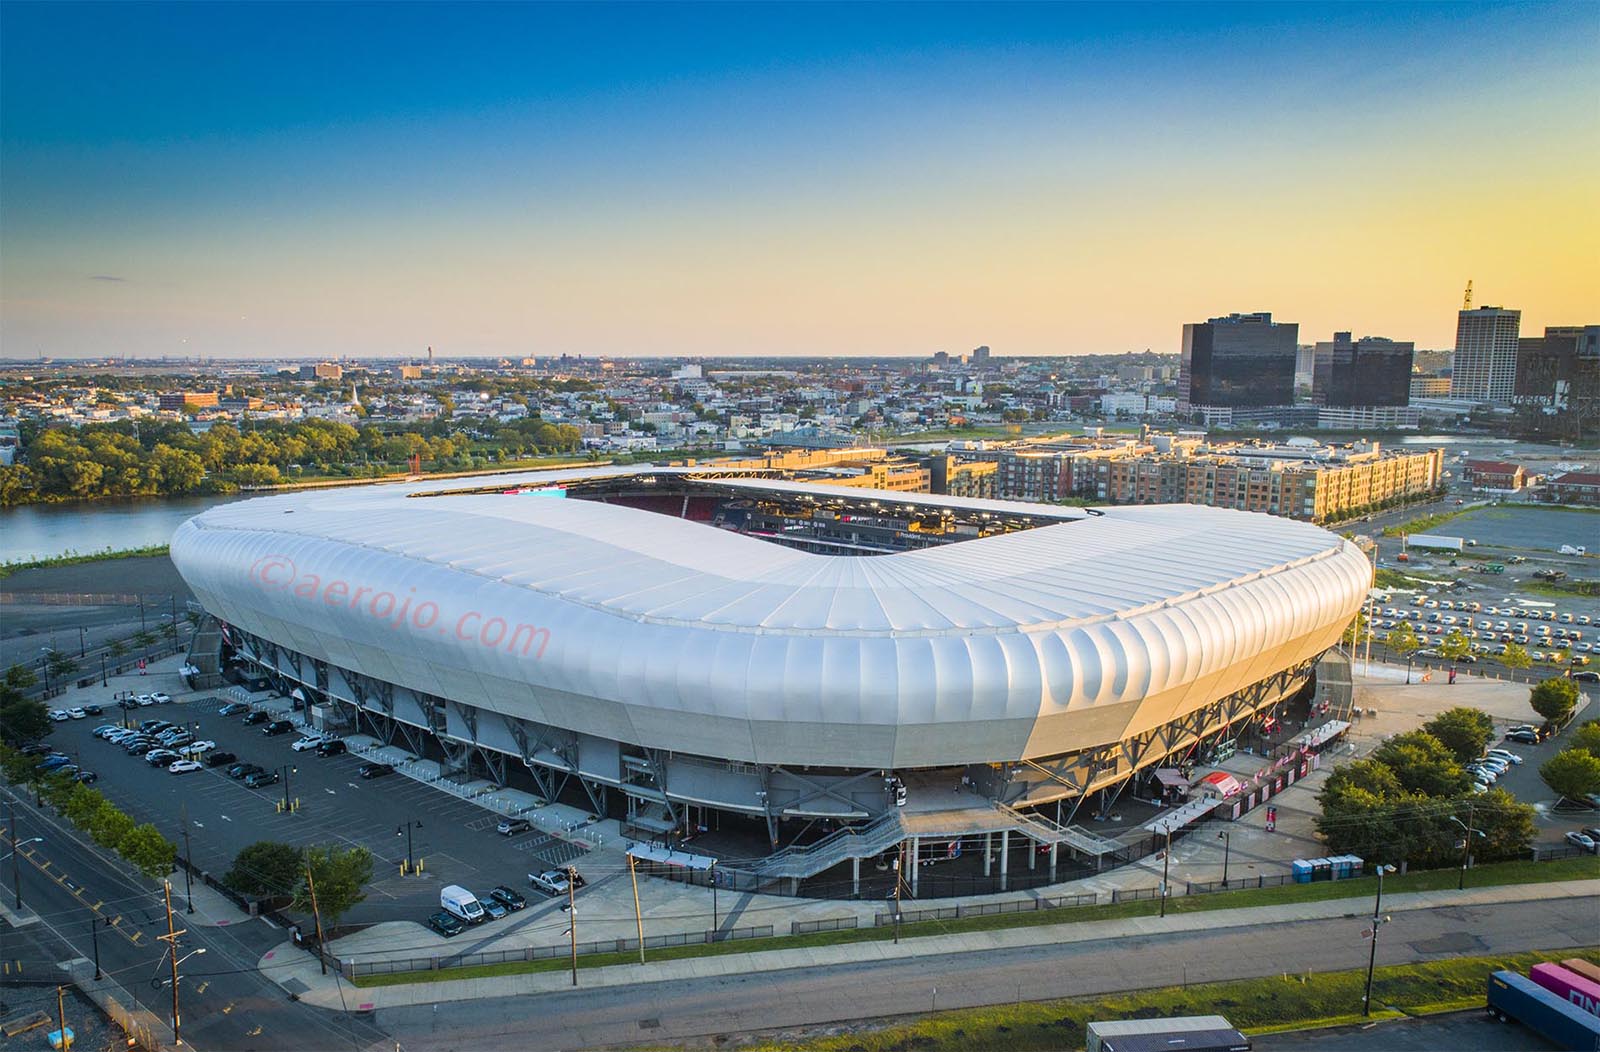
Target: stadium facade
677	645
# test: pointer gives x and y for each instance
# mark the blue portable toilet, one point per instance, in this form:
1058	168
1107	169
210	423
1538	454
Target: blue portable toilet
1300	870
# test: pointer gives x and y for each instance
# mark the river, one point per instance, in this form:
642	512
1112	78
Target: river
40	531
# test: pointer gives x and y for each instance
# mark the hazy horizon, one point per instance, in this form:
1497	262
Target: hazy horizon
310	181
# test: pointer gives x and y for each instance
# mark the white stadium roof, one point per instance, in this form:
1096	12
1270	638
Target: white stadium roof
666	632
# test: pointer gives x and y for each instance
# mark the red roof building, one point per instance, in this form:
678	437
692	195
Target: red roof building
1575	487
1496	475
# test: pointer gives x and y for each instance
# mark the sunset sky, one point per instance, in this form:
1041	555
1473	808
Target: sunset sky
226	179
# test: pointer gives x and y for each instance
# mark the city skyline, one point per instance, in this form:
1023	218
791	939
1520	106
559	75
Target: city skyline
720	181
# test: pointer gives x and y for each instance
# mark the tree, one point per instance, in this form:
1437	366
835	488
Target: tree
1465	732
341	875
1506	823
1423	764
1402	639
150	852
1572	773
1357	631
22	719
108	825
1587	738
1515	656
1455	646
1554	698
266	869
61	664
81	804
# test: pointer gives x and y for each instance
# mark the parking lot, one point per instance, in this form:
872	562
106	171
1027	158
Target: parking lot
456	841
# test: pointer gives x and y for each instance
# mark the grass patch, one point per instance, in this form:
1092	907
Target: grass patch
1561	589
1522	872
1424	523
1257	1006
75	559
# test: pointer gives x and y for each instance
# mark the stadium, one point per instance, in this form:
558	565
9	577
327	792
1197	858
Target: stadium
827	672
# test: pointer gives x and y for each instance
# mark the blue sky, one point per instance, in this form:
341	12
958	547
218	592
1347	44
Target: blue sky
725	178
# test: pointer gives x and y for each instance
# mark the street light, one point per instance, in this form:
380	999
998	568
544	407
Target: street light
1227	844
1378	919
16	866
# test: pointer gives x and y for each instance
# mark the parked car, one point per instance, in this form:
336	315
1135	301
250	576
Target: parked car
161	697
77	712
59	715
332	747
105	729
446	925
242	770
511	900
309	741
1524	737
1586	677
160	757
232	708
204	745
144	700
277	727
1583	840
86	777
257	717
257	779
375	770
513	826
127	703
1506	755
217	759
139	748
493	907
552	882
93	710
185	766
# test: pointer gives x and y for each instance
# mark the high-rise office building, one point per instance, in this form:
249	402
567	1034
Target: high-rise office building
1239	362
1560	369
1369	371
1485	367
980	355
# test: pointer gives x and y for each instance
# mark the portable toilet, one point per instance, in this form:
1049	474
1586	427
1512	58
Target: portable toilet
1341	866
1300	871
1321	869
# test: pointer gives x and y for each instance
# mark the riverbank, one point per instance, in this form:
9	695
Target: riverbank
75	559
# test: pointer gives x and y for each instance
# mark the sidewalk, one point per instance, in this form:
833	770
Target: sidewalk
297	970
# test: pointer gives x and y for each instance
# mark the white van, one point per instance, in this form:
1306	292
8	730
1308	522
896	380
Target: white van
459	902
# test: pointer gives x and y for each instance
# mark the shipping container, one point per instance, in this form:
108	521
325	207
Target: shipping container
1514	997
1568	985
1587	969
1195	1033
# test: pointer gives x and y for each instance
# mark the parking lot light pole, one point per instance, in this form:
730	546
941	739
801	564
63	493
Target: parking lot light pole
1372	953
406	829
286	770
1227	844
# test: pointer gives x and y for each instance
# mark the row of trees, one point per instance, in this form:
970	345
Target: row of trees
1409	801
166	458
278	873
1574	772
142	845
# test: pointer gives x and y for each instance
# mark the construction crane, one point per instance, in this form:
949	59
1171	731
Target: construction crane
1466	300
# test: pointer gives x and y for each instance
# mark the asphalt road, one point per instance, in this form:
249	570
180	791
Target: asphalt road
225	1002
819	996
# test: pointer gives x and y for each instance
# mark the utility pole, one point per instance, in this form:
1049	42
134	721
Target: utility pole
171	939
1227	844
188	867
572	920
311	886
61	1014
638	918
1166	862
